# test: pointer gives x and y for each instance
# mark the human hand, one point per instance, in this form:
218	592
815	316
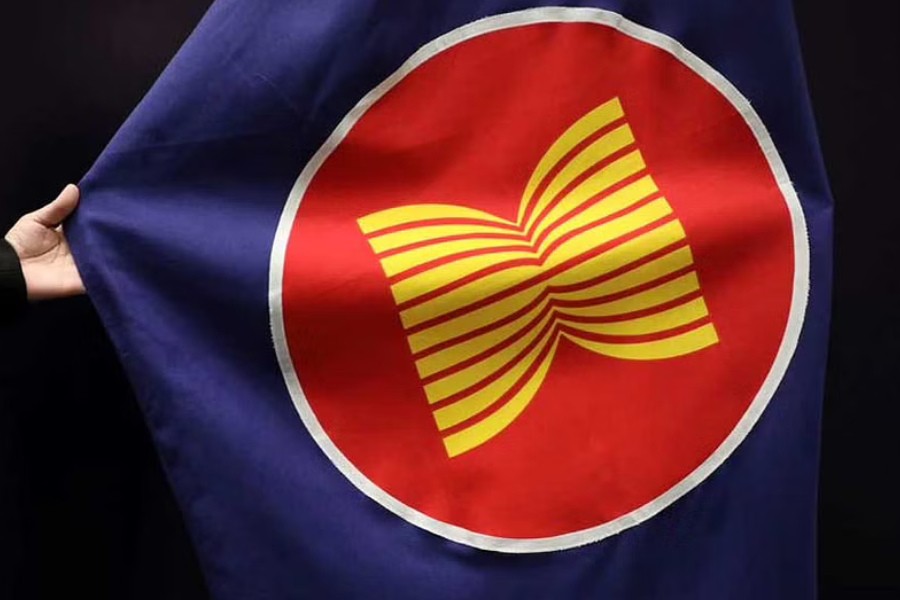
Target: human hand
47	262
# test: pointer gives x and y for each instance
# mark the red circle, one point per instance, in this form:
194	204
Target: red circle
603	436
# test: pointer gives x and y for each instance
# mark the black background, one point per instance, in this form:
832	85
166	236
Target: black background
84	506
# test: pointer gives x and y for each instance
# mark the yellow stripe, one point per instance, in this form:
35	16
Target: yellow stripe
688	312
679	345
604	233
466	408
652	211
398	239
661	294
601	207
447	273
461	351
602	180
471	375
651	271
472	320
583	128
609	144
416	213
623	254
600	234
482	431
404	261
466	295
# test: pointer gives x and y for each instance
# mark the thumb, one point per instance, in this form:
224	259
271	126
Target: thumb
57	211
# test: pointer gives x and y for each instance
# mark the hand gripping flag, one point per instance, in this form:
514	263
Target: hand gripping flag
477	299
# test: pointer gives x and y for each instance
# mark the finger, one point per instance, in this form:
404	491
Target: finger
57	211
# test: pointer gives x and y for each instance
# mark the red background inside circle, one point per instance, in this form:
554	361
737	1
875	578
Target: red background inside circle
602	436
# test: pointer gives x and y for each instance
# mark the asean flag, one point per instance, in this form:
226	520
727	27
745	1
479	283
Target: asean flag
477	299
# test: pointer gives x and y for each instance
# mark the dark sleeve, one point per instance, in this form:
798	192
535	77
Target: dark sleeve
13	294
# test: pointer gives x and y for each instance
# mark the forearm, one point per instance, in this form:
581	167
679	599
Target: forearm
13	293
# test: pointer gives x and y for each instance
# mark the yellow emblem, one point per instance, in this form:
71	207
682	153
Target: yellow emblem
595	256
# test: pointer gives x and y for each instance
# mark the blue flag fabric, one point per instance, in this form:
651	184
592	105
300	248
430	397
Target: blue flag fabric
175	239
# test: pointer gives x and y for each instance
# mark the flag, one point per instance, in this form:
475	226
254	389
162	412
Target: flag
477	299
